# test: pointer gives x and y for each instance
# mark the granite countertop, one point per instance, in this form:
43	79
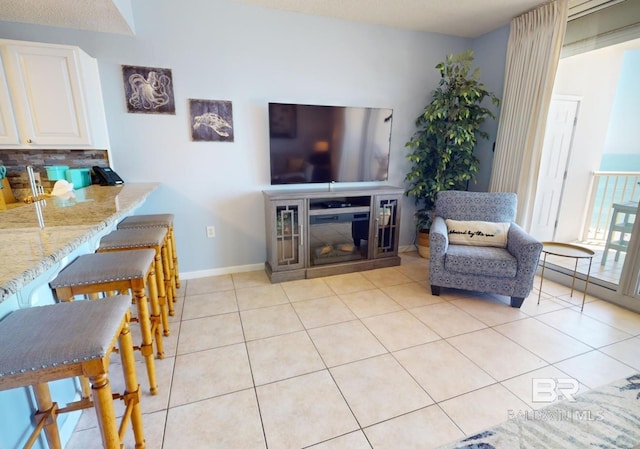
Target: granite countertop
27	250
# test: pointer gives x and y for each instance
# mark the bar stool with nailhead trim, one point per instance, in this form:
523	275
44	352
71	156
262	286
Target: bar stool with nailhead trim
151	238
60	341
157	221
121	272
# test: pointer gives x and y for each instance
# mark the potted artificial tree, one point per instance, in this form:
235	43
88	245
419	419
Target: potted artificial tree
441	150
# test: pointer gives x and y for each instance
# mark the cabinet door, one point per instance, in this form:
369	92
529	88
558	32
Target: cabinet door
48	94
386	231
287	235
8	131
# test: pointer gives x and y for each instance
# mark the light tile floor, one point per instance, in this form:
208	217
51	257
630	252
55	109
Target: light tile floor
364	360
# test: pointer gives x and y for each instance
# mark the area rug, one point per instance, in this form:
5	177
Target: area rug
603	418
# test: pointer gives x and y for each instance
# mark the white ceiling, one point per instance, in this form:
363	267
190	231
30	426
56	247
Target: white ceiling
92	15
466	18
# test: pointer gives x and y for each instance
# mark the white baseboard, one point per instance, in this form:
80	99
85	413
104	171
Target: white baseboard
220	271
252	267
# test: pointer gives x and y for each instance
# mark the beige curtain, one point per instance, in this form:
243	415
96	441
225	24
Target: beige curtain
533	51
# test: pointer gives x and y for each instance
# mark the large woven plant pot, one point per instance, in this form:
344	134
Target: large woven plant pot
423	244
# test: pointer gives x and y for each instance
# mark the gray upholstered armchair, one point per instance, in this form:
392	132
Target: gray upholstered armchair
505	271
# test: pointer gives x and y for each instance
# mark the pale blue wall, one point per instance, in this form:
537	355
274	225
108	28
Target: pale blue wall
490	52
223	50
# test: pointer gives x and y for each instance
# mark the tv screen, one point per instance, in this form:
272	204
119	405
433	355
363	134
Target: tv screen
317	144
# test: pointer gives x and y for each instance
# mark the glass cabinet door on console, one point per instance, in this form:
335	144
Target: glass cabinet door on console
386	230
287	240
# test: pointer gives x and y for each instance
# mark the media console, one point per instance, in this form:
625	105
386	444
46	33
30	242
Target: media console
313	233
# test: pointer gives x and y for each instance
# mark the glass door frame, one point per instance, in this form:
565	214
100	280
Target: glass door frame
629	285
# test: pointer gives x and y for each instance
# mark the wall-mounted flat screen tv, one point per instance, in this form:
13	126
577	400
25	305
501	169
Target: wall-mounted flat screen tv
317	144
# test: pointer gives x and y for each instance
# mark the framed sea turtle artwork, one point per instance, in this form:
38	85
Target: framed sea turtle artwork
211	120
148	90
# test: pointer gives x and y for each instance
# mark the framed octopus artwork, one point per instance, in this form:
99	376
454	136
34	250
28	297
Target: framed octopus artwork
211	120
148	90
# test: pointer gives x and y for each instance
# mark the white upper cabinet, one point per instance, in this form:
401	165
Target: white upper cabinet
8	131
56	97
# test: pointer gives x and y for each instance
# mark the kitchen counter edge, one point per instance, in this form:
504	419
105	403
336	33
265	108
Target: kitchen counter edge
14	285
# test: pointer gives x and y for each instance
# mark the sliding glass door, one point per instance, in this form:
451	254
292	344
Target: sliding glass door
589	183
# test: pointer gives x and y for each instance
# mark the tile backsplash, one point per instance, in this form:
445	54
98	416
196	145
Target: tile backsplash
16	162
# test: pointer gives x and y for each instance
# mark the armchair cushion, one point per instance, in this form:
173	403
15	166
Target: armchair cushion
477	233
486	261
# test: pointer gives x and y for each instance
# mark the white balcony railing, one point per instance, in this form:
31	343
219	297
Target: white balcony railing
607	188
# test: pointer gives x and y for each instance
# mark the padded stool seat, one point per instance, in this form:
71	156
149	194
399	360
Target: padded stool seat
156	239
147	221
48	343
119	271
157	221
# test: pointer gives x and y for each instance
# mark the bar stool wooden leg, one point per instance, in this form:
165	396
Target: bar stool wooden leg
170	282
163	292
172	266
164	313
103	402
47	407
145	329
132	389
85	387
174	257
157	314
